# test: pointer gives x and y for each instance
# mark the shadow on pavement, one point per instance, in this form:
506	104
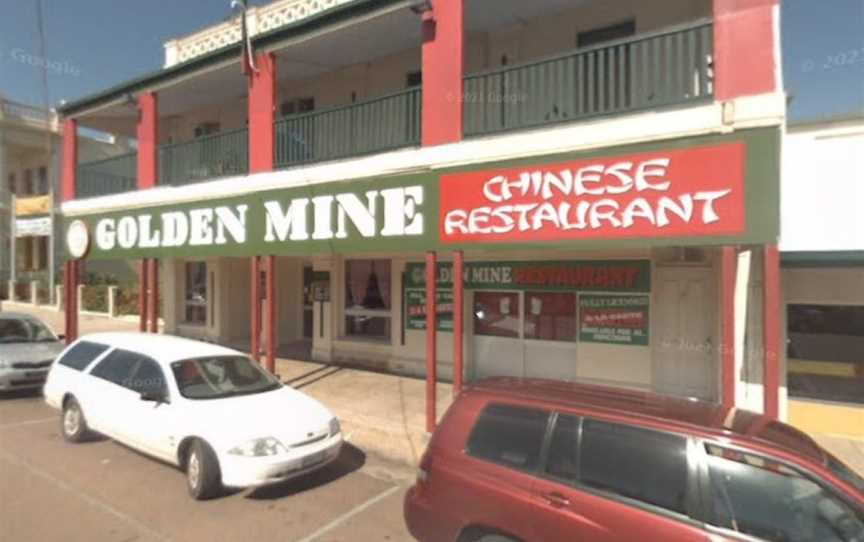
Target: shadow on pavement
31	393
350	460
320	376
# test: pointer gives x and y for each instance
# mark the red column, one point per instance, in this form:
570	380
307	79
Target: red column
728	265
143	288
458	324
443	68
262	107
255	307
431	345
153	298
148	122
68	181
70	159
771	335
746	46
270	266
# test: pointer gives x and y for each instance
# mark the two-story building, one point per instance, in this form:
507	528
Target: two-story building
30	142
602	176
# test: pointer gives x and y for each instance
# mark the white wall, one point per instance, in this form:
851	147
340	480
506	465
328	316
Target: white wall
822	189
556	32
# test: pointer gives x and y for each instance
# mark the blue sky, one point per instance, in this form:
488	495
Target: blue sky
93	44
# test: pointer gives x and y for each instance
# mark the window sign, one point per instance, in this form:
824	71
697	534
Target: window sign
599	275
614	319
683	192
415	309
550	316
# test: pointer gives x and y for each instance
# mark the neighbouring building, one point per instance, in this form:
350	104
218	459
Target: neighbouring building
606	175
29	156
30	144
822	247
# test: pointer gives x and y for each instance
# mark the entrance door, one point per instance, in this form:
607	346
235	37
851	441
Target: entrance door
684	356
525	334
550	335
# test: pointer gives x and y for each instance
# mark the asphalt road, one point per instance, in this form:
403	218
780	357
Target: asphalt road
102	491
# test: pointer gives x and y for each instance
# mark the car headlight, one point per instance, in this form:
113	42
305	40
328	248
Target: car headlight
335	428
258	447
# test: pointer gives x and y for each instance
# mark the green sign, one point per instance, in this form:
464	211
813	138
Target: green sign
614	319
590	276
385	214
415	310
406	212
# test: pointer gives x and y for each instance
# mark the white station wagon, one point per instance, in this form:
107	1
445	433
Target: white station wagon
204	408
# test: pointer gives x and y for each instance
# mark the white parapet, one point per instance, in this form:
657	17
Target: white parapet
259	20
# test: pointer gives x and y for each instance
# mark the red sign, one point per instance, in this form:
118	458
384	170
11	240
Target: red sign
675	193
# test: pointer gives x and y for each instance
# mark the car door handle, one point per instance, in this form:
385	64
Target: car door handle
556	499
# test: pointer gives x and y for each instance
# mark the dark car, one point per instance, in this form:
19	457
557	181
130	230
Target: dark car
535	460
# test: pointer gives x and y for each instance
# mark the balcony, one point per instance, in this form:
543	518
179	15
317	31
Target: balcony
109	176
521	74
204	158
384	123
666	68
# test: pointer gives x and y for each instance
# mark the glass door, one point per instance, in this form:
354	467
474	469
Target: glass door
497	344
550	331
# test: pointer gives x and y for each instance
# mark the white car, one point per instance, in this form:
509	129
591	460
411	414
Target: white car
204	408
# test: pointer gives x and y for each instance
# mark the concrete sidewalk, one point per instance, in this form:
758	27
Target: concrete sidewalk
381	414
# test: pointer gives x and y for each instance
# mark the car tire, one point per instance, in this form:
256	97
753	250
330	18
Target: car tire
203	477
73	424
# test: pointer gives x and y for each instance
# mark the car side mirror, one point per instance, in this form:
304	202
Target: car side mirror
153	396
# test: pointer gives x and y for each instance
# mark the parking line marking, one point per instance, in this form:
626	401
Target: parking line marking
350	514
83	496
29	422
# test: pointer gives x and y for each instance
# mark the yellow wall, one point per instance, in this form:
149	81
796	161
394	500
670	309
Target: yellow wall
828	419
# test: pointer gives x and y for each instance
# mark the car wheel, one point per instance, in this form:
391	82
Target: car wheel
203	477
73	423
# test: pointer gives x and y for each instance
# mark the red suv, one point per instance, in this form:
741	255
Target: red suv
533	460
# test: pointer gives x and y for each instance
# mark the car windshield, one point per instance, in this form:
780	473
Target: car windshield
221	376
24	330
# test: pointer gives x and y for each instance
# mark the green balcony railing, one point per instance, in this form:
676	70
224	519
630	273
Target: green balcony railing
388	122
204	158
673	66
108	176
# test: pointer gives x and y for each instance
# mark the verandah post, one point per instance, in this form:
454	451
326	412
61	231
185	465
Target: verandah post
431	354
458	324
